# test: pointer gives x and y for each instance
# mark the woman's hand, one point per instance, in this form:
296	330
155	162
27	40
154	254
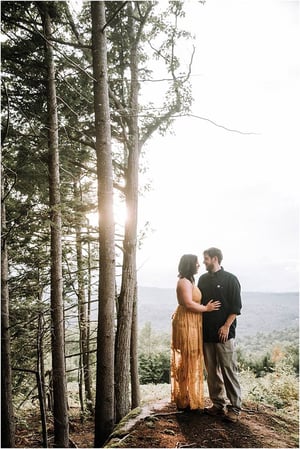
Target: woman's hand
212	305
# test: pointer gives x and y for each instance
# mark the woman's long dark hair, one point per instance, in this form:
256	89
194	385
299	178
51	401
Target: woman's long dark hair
187	267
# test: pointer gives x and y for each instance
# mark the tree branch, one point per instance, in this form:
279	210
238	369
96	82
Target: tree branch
11	187
113	16
246	133
143	20
5	132
67	105
50	42
82	141
80	353
70	44
73	27
80	165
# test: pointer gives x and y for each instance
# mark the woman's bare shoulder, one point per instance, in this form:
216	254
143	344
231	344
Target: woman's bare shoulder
183	284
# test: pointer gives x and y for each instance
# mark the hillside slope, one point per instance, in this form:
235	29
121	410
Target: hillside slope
261	311
164	427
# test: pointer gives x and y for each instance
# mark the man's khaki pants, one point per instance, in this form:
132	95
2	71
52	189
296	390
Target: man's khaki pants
221	366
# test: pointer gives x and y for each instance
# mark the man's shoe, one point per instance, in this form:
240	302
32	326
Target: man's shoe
214	411
231	416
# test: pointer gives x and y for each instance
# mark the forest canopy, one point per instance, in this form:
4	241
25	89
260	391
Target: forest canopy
77	115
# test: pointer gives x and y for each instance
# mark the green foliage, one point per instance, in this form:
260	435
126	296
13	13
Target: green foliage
154	368
279	389
271	378
292	358
259	365
26	177
154	356
151	341
270	354
268	374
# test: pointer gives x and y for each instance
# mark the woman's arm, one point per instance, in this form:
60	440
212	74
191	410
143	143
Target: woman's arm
185	298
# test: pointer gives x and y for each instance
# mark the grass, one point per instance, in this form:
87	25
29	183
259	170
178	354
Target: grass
154	392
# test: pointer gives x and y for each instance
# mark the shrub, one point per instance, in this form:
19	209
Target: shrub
154	368
276	389
260	366
279	389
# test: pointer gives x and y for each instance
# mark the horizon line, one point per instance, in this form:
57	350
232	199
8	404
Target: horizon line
243	291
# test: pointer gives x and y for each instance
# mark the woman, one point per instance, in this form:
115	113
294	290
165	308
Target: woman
186	346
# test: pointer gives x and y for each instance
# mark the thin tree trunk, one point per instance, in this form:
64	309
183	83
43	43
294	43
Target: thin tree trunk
42	360
41	400
134	366
129	276
41	333
61	421
80	293
82	314
104	410
87	372
80	381
88	323
42	409
41	378
7	411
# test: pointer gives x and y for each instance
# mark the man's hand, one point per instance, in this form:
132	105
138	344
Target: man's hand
223	333
224	330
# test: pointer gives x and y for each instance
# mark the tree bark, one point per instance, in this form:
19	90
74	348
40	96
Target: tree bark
60	412
7	411
42	409
134	366
41	355
104	410
82	314
129	276
41	376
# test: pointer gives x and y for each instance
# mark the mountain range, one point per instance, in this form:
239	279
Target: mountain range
263	312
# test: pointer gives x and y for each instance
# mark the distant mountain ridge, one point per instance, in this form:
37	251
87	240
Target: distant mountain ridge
261	312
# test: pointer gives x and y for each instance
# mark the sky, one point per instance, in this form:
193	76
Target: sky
213	187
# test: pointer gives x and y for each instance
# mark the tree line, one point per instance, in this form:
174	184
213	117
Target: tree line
75	124
260	354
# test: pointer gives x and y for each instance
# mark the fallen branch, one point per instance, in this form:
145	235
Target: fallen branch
73	444
123	439
179	412
178	444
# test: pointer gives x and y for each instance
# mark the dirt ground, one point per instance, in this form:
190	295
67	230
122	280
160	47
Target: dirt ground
165	427
170	429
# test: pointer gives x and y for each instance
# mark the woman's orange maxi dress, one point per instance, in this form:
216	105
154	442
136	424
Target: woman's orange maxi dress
187	357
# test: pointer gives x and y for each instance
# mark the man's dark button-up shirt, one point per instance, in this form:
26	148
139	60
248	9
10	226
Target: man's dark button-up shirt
224	287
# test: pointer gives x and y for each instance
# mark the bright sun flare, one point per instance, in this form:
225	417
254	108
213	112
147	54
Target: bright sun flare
120	215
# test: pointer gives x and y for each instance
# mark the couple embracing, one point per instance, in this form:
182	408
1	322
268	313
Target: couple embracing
203	328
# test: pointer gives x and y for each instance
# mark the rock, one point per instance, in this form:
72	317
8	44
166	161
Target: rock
169	432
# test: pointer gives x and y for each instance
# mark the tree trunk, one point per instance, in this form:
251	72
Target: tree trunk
40	342
129	276
41	376
7	412
104	410
80	381
61	421
89	299
42	409
134	366
82	313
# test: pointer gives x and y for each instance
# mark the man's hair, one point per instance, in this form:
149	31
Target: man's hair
214	252
187	265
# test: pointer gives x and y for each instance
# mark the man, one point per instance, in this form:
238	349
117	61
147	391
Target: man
219	336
